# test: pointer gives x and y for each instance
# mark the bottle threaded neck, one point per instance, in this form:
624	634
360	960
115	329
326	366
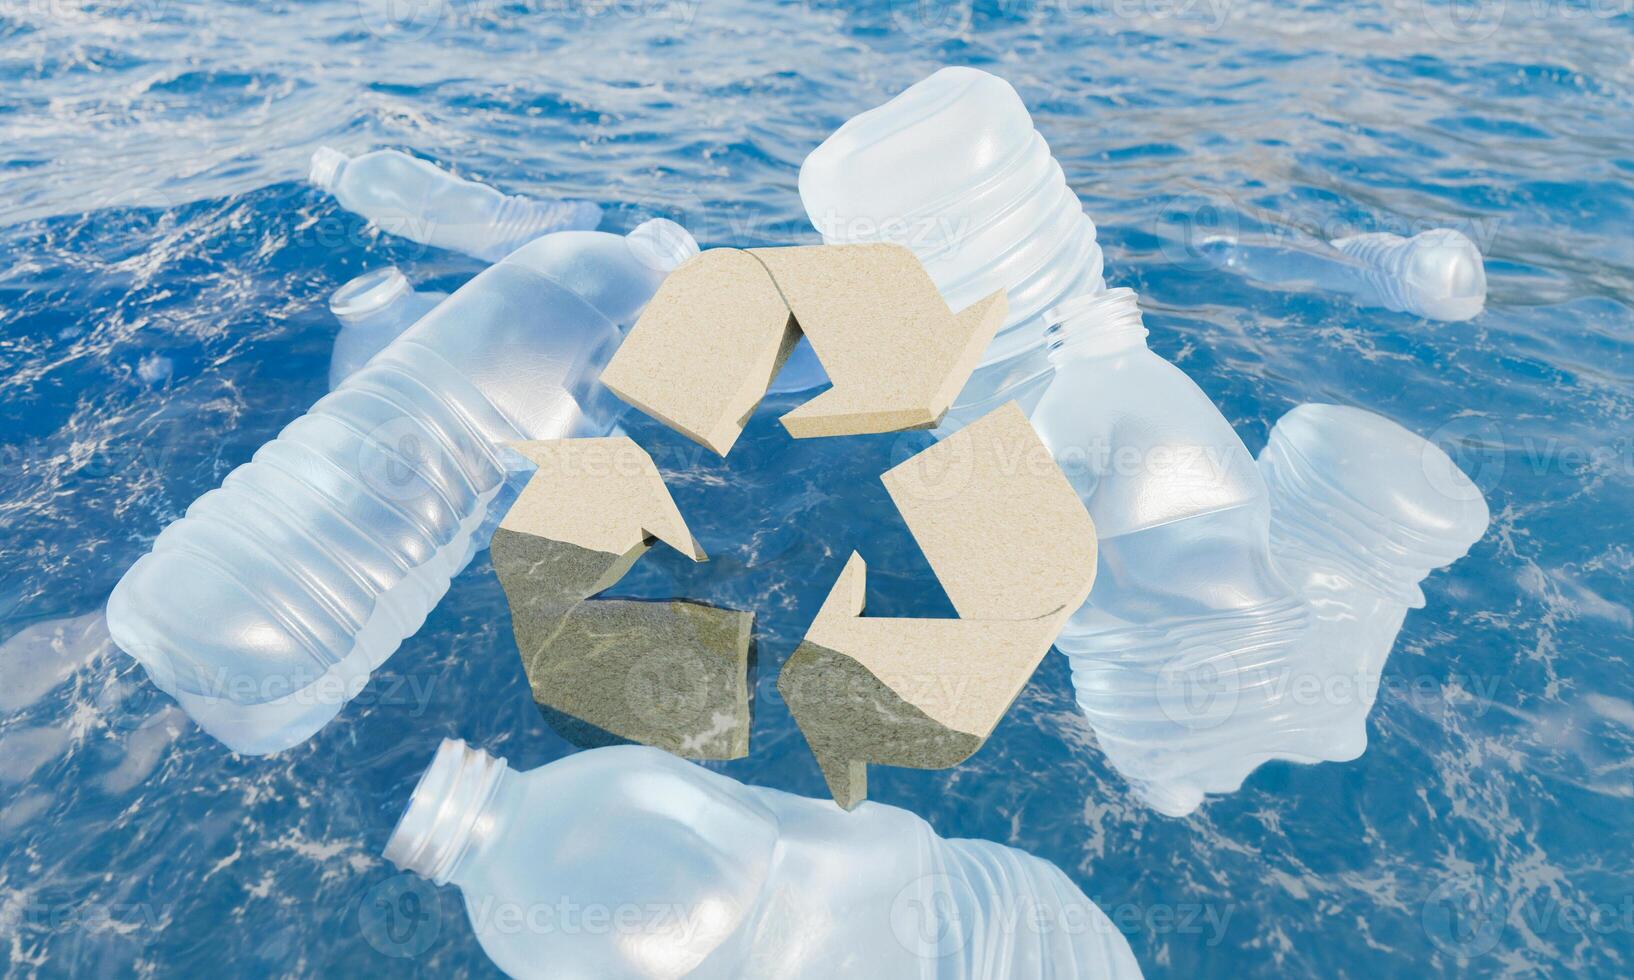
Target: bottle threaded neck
1095	323
326	164
448	808
662	244
369	294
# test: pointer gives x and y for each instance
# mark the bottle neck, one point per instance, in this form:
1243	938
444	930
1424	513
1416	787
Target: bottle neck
1095	325
327	164
370	296
448	811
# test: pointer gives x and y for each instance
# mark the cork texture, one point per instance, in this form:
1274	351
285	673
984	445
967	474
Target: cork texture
671	674
1015	550
706	348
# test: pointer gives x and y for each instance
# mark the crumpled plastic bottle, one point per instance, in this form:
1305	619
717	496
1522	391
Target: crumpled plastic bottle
373	309
414	199
628	862
1191	665
1437	274
268	605
953	169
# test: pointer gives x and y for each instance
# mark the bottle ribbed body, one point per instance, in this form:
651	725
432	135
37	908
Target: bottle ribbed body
414	199
518	220
754	882
310	564
953	169
266	607
1438	274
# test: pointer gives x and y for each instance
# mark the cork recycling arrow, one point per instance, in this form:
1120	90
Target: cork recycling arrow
708	345
1014	549
671	674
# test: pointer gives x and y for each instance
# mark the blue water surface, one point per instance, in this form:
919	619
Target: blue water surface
163	275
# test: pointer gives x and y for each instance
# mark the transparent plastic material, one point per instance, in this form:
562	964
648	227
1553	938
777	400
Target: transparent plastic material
691	873
953	169
1215	642
1437	274
268	605
373	310
414	199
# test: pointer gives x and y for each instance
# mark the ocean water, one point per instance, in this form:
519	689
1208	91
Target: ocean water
163	276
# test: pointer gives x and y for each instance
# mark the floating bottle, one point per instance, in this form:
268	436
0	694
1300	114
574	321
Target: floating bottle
1185	574
953	169
1436	274
373	309
1362	511
687	873
417	200
267	606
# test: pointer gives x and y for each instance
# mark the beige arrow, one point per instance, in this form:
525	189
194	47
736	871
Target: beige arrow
704	351
602	502
669	674
1015	550
896	354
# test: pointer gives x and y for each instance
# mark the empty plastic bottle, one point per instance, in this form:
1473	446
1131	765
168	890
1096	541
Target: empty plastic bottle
1184	569
628	862
953	169
1362	511
1437	274
1189	703
373	309
268	605
413	199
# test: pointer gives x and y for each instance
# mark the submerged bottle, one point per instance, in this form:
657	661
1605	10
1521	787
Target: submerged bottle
414	199
1191	668
267	606
690	873
1436	274
373	309
1362	510
1182	515
953	169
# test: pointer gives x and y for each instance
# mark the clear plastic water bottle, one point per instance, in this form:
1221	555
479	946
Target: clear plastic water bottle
413	199
266	607
953	169
373	309
1362	511
1436	274
1185	579
628	862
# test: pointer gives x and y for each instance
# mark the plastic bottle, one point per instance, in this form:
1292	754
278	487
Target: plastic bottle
269	604
1436	274
413	199
953	169
373	309
1362	511
1184	573
628	862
